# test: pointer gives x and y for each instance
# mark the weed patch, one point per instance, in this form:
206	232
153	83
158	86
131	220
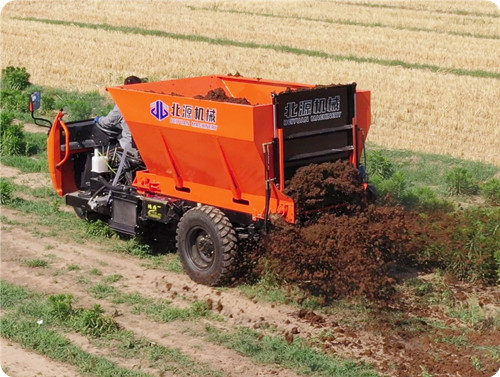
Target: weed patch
134	247
16	78
463	243
35	262
491	191
94	322
6	190
460	181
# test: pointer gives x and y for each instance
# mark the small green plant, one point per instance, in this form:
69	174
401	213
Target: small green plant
73	267
379	165
428	201
13	142
425	373
14	101
112	278
397	185
134	247
200	309
16	78
94	322
6	119
61	306
476	362
6	190
95	271
469	312
491	191
35	262
98	229
101	291
459	181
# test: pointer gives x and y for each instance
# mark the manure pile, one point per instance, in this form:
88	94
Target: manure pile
219	94
341	253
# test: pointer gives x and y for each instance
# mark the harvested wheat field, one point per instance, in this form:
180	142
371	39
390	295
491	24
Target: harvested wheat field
360	290
434	76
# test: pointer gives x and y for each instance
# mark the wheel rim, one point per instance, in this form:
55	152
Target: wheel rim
201	249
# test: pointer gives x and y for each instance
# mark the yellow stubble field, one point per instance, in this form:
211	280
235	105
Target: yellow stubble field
433	67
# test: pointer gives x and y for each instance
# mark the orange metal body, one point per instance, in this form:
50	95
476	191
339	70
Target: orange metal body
212	152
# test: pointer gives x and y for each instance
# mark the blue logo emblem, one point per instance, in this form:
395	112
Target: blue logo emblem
159	110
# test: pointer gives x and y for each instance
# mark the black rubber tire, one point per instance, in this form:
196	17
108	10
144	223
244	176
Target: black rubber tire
207	245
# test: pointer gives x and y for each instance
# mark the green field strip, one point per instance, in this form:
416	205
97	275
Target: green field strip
23	309
346	22
273	47
457	12
294	355
55	346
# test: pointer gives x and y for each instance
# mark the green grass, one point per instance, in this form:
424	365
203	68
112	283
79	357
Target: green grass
404	7
27	164
273	47
54	345
101	291
295	356
112	278
20	324
344	22
134	247
162	311
95	271
35	262
159	310
472	314
430	170
438	293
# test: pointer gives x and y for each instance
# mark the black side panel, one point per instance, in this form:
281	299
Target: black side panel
85	134
317	124
125	212
82	165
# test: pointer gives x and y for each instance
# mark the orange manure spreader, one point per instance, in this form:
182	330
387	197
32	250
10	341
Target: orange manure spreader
210	161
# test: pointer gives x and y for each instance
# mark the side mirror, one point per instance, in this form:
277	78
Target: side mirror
35	99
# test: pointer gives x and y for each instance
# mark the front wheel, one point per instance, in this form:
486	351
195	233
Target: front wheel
207	245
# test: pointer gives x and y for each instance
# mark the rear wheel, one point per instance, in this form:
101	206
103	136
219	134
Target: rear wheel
207	245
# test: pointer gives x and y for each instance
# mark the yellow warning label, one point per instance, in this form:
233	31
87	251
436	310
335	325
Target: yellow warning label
154	211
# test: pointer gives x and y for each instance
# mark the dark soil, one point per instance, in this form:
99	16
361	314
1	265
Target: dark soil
339	254
219	94
356	250
325	185
317	86
342	255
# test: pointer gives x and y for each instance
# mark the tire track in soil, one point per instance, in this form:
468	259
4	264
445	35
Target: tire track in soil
18	362
50	280
129	362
